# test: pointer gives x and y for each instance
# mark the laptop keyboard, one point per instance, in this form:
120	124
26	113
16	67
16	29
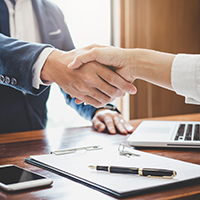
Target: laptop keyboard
188	132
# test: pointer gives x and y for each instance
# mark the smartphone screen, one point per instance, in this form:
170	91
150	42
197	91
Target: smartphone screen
14	174
15	178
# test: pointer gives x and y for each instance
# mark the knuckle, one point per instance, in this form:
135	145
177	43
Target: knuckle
114	93
120	93
94	51
81	88
92	45
87	78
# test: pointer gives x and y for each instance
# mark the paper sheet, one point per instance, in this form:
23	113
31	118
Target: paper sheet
77	164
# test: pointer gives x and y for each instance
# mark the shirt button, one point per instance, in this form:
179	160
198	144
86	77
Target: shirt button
2	78
13	81
7	79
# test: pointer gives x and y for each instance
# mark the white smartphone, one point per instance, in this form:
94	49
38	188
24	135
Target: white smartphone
13	178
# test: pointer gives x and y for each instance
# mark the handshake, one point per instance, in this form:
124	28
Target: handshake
98	74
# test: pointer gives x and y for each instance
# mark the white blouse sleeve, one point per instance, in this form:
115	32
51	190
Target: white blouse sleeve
185	77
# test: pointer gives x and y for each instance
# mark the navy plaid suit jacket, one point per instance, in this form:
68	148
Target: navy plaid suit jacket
24	112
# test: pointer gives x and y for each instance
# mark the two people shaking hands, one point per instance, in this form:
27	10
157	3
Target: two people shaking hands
179	73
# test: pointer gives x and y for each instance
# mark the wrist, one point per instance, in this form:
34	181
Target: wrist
143	62
153	66
46	72
108	107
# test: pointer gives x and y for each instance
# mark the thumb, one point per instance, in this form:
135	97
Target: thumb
82	59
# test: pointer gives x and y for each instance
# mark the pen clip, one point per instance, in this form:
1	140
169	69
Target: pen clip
166	177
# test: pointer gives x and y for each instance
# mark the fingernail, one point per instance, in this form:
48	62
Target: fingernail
133	91
70	65
102	127
129	127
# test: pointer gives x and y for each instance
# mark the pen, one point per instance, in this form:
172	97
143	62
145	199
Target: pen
149	172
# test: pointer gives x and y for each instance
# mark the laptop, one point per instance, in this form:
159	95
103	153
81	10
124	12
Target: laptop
182	134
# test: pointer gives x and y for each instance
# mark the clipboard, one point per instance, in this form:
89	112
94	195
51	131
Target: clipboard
73	164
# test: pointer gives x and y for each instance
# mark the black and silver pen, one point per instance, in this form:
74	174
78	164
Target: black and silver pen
149	172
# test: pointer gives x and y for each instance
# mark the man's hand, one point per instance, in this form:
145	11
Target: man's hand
93	83
112	120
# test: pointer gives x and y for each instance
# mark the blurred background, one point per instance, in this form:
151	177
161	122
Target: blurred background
88	22
167	25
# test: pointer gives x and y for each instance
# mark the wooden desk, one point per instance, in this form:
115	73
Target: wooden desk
14	147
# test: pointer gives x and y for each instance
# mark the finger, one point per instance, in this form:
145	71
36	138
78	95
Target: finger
110	124
98	125
97	88
117	81
89	86
91	94
82	59
78	101
92	100
128	127
119	123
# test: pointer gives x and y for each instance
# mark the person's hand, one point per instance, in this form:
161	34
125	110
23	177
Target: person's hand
118	59
145	64
112	121
93	83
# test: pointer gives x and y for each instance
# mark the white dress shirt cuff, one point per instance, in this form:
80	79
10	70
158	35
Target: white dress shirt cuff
36	70
185	77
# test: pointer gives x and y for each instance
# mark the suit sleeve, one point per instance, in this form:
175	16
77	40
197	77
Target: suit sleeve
86	111
16	61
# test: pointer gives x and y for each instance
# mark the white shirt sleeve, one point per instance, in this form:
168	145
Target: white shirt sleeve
36	70
185	77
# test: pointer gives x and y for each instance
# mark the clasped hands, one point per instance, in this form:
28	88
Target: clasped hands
115	59
82	75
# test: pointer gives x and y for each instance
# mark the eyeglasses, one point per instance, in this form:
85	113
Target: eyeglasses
124	152
73	150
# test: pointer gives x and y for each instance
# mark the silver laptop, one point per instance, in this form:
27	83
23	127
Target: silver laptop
182	134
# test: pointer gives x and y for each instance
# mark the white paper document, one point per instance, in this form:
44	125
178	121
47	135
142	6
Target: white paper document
77	164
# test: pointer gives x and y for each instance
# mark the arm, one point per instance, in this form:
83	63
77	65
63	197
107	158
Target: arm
180	73
93	83
16	61
149	65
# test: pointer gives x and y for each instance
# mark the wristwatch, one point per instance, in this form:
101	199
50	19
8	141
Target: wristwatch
108	106
111	107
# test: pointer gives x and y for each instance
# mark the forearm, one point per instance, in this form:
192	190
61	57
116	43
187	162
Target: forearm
16	61
151	66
